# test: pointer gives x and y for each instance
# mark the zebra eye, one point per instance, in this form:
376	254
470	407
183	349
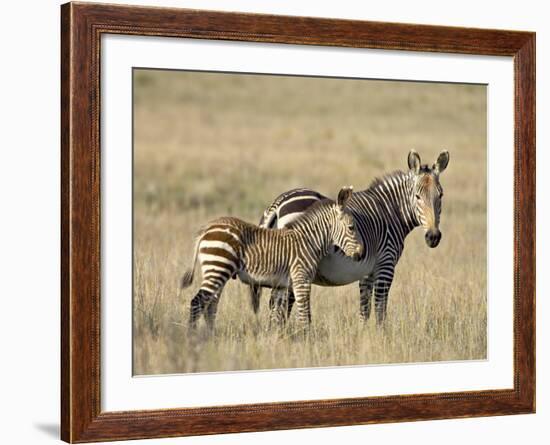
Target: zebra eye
351	227
418	197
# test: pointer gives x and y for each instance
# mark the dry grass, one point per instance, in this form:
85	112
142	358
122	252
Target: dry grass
208	145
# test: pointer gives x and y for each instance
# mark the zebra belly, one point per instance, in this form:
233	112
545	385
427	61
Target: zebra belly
338	270
274	281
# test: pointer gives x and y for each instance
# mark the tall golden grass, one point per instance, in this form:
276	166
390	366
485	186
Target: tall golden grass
208	145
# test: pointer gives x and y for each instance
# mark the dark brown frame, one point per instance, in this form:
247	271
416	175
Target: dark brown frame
81	28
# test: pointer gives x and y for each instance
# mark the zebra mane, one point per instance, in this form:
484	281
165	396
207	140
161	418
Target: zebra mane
384	179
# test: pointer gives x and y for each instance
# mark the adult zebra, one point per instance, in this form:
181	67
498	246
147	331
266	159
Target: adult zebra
385	213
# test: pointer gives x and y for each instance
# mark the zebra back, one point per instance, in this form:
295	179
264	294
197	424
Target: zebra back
287	206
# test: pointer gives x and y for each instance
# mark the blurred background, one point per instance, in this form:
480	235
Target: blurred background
214	144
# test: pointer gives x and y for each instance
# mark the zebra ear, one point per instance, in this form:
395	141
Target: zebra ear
414	161
442	162
343	196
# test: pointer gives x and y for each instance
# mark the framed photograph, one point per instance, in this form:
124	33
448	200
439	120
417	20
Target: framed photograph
274	222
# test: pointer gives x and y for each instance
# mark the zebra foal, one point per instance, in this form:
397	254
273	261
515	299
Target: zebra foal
280	259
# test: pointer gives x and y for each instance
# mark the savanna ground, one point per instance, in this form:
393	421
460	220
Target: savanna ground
207	145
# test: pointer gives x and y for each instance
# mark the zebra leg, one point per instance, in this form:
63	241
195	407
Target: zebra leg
212	310
277	307
290	299
255	294
302	290
198	304
381	291
213	282
382	278
366	286
280	306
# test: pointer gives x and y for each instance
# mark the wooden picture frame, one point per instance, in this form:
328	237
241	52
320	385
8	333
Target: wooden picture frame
82	26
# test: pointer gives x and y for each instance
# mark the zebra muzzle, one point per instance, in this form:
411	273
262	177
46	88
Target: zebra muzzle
433	237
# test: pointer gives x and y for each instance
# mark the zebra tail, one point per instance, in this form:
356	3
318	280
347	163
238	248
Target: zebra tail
187	278
268	219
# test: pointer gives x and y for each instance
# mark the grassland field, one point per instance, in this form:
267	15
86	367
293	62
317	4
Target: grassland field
211	144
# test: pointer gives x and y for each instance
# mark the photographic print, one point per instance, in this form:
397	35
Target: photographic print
293	212
295	222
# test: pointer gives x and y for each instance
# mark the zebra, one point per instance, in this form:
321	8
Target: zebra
228	247
385	213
